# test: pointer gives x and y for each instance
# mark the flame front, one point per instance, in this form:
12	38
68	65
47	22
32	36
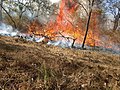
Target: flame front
69	24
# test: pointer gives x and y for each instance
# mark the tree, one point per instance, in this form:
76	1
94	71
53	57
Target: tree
116	16
111	9
17	11
88	22
1	2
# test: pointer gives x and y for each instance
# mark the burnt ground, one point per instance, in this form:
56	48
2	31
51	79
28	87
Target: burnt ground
26	65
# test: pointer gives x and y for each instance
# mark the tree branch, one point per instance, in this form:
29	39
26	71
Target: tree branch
9	16
83	8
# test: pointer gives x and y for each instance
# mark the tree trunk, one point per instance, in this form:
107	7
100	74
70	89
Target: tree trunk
1	2
116	22
87	25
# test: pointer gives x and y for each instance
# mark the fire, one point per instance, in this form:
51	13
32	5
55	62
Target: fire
68	24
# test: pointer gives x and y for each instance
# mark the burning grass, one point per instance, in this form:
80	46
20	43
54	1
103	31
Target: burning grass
28	65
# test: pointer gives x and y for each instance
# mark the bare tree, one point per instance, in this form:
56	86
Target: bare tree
1	2
116	16
112	7
88	22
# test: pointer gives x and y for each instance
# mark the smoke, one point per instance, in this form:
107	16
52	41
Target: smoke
54	1
7	30
62	43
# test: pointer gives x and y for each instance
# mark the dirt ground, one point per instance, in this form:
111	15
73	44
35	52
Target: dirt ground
26	65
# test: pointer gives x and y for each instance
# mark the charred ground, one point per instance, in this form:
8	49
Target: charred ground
26	65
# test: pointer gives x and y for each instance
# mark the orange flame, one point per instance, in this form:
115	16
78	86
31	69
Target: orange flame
67	24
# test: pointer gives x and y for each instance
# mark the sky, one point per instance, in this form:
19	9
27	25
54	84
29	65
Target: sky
54	1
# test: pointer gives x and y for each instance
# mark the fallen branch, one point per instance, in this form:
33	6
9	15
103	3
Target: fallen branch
61	35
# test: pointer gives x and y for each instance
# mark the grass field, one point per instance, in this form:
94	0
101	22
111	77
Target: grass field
26	65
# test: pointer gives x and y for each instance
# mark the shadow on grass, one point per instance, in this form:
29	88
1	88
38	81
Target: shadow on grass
10	47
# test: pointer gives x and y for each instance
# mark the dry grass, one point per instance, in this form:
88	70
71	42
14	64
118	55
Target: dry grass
36	66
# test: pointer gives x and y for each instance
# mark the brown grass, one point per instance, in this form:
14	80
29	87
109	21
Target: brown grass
36	66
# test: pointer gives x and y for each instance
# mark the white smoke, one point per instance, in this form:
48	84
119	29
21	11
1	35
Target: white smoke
54	1
7	30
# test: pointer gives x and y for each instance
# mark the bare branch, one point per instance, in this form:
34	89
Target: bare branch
9	16
83	8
